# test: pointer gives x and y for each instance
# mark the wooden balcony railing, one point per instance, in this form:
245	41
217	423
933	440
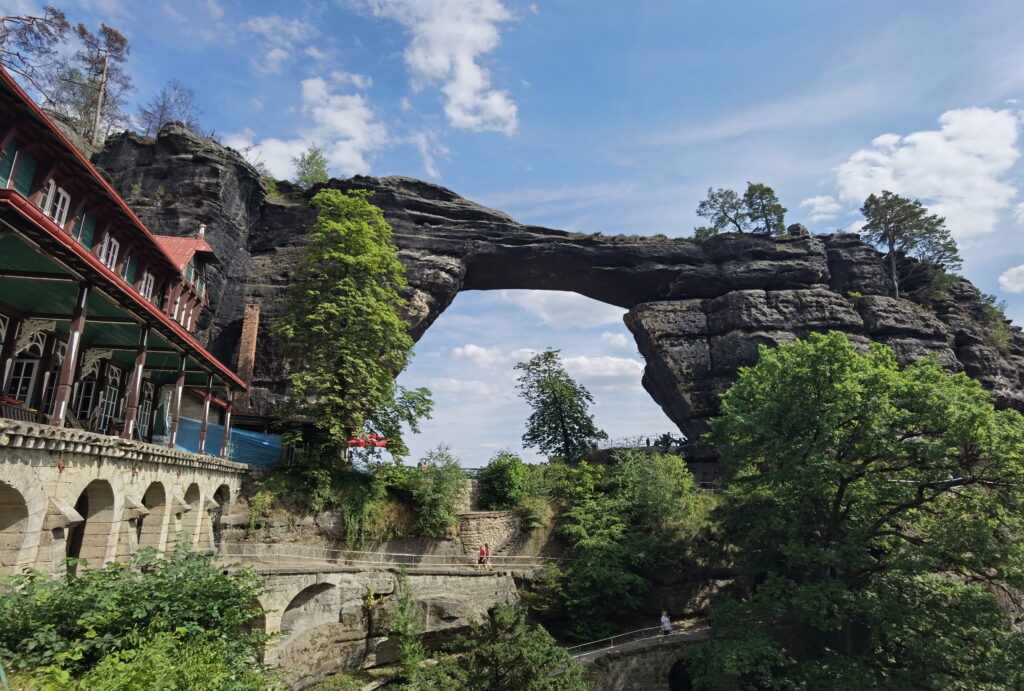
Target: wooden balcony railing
14	412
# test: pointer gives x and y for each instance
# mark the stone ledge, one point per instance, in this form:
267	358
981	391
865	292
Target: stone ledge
15	434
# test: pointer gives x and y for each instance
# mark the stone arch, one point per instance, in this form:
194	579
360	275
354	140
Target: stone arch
222	498
312	606
152	528
192	521
679	677
90	539
14	515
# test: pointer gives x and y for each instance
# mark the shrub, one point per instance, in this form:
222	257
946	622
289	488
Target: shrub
502	482
436	488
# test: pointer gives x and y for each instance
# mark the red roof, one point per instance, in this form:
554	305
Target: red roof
180	250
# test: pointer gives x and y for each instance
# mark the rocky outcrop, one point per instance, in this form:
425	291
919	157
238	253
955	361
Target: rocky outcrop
698	311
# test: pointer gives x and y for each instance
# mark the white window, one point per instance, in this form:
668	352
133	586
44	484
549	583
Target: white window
55	203
126	266
146	285
109	398
146	409
108	251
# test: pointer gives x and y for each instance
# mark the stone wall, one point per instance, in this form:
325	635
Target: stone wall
499	529
64	491
338	618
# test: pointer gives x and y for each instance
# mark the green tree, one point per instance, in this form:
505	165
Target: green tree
560	424
406	407
310	167
27	44
726	211
436	488
504	652
766	215
101	62
74	624
407	628
757	211
340	329
502	482
904	227
876	513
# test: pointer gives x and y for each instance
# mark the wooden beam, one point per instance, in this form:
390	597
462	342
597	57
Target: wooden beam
112	346
92	320
36	276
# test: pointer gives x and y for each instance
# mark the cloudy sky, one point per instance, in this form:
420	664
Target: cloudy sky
614	117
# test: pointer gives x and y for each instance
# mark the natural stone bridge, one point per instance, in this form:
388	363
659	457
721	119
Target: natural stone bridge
69	493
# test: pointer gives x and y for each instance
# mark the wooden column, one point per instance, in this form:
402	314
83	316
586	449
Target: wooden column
70	366
131	412
206	414
179	387
227	423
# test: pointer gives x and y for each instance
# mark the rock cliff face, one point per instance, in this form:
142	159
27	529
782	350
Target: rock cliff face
698	311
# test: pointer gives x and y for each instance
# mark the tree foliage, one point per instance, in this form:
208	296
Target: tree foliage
876	514
905	228
757	211
175	609
406	407
560	424
27	44
340	330
436	487
310	167
98	77
504	652
174	101
502	482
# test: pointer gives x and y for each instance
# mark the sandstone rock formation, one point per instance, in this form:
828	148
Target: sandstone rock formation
697	310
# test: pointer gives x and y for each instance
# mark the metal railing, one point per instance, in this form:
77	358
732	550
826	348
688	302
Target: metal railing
277	552
604	645
641	440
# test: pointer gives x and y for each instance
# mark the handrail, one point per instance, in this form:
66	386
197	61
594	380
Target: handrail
629	637
258	550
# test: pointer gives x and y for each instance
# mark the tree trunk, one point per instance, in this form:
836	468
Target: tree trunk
99	103
892	267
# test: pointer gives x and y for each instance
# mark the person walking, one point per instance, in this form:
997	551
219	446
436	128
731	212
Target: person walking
666	624
482	559
487	557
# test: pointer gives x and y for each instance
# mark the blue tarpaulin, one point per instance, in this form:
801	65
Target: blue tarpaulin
253	448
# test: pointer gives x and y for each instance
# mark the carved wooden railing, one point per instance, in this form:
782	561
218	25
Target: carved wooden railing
14	412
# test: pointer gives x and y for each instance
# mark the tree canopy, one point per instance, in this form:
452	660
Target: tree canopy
904	227
27	44
310	167
174	101
876	516
340	330
757	211
560	424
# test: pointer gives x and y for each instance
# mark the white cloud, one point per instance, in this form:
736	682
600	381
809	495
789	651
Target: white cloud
1018	214
822	207
280	37
1012	280
605	372
317	54
359	81
544	201
956	170
256	103
464	388
616	340
482	356
112	8
563	310
448	39
533	8
430	148
174	14
344	126
215	11
405	104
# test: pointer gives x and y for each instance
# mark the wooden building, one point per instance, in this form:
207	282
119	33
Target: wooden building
97	314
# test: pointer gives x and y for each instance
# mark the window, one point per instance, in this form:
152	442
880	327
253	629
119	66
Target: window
129	268
190	270
146	285
26	366
84	395
146	409
109	399
55	203
108	251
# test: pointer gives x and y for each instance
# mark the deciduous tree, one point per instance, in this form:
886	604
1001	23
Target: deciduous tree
27	44
101	60
175	101
310	167
877	517
560	424
904	227
341	333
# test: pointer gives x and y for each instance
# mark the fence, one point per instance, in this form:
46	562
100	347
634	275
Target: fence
605	644
659	440
277	552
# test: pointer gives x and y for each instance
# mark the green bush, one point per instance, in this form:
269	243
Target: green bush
436	488
502	482
155	603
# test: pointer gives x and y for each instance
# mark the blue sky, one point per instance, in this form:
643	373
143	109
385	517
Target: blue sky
614	117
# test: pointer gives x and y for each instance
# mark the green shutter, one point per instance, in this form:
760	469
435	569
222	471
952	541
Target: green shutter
88	230
129	272
24	173
6	162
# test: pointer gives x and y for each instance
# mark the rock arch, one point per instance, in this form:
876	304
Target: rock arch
317	604
193	522
152	528
91	539
222	499
679	678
